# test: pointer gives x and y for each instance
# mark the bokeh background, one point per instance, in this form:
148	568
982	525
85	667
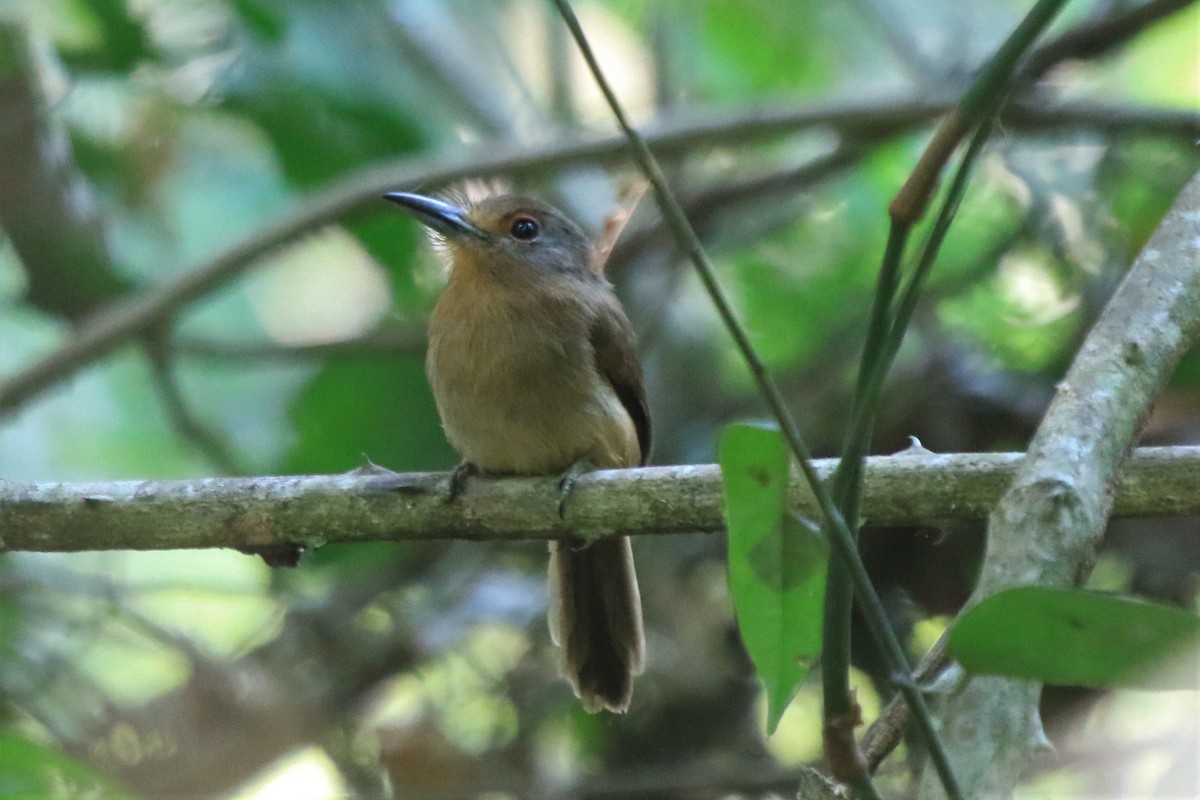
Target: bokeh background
141	139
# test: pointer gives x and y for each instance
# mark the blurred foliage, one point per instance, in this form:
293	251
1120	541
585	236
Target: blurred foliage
188	126
32	770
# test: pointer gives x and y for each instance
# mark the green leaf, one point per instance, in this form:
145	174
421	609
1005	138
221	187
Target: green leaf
30	770
1075	638
776	564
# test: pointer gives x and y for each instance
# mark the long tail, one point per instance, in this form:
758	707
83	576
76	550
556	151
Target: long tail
596	617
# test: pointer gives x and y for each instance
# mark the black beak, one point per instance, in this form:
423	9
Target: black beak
448	220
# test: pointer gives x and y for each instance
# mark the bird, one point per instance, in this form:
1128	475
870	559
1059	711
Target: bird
534	369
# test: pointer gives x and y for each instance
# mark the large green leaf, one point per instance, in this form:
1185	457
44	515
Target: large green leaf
776	564
1075	638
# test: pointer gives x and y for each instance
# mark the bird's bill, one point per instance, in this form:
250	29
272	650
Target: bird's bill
446	219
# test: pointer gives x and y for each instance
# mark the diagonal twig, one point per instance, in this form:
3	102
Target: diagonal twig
1046	528
128	320
842	538
1096	37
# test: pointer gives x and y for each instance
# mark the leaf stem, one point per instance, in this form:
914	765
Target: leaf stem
842	539
976	109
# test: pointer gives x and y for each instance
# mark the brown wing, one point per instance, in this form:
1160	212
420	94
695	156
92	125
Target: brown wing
617	360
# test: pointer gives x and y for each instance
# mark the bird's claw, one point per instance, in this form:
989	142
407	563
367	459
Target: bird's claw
458	480
566	484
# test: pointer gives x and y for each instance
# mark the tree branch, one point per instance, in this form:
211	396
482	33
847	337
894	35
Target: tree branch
46	208
157	306
1097	37
208	442
375	504
1046	528
387	341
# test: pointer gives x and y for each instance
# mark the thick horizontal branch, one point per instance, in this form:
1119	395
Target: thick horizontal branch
380	505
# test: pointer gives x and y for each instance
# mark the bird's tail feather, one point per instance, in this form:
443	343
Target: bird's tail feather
596	617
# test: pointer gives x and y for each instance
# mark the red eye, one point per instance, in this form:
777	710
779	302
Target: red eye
525	229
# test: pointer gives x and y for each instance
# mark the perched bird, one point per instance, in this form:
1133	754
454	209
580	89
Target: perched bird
532	363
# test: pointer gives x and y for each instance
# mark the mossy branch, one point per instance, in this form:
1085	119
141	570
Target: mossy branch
928	489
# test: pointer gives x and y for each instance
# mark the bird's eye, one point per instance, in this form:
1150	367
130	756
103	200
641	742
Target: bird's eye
525	229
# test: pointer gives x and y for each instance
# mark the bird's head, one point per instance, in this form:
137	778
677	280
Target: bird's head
503	232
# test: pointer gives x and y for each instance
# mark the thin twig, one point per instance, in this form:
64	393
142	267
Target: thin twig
838	697
388	341
210	444
843	539
1096	37
129	319
979	104
888	728
703	206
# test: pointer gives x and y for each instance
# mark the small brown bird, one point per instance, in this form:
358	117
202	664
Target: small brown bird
532	364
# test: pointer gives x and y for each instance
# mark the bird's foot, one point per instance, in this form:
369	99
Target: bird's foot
458	480
566	483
